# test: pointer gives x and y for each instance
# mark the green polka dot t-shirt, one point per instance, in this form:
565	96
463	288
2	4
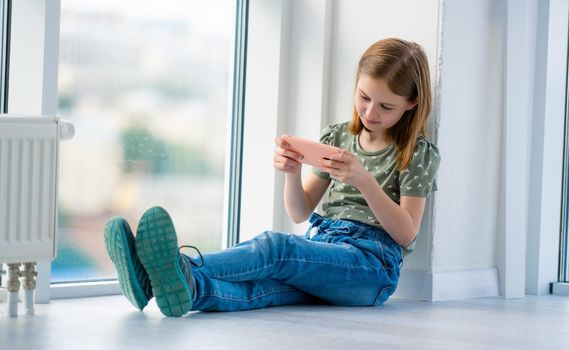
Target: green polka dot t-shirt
418	179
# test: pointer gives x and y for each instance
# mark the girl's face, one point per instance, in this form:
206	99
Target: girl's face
378	107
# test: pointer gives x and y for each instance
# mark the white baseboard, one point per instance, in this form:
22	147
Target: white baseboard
415	285
448	285
560	288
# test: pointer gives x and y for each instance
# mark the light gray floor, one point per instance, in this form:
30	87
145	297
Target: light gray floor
111	323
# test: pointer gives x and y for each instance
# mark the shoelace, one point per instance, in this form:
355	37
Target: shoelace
192	260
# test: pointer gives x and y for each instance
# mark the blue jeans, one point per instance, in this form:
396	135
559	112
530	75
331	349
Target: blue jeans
344	263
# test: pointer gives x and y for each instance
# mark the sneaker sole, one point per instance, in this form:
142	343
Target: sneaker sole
120	247
157	248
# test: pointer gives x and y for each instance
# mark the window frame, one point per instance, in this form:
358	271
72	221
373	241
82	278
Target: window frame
544	201
563	279
234	163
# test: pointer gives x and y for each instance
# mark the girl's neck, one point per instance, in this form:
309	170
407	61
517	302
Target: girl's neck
373	142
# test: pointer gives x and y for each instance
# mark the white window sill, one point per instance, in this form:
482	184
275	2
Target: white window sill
83	289
76	290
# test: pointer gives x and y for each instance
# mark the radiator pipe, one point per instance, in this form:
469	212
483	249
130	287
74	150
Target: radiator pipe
13	286
29	285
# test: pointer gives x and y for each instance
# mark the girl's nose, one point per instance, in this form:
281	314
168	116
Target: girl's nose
372	111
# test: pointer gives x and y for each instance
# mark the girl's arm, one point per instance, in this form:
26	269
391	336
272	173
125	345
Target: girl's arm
299	199
402	221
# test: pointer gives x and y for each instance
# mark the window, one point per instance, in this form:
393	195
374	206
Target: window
146	84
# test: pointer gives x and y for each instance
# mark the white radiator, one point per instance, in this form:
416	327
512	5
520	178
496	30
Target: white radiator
29	151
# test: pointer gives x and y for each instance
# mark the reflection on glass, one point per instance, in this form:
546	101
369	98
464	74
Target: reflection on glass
146	85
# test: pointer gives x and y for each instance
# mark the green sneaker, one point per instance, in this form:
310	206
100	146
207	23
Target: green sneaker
169	271
133	279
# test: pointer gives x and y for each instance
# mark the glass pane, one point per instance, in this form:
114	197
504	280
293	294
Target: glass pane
146	84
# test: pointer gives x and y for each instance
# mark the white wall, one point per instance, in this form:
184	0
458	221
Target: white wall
265	108
308	72
469	133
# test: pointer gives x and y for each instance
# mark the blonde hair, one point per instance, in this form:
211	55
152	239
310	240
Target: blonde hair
404	67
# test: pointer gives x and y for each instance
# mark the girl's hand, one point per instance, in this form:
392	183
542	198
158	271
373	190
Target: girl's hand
285	159
344	166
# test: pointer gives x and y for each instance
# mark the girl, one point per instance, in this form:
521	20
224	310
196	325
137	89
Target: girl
352	254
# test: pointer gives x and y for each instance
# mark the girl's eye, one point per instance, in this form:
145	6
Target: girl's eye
365	98
386	108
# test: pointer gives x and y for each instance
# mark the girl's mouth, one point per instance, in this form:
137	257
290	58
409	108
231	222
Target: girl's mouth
373	122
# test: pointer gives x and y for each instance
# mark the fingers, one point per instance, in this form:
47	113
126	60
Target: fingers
288	153
287	165
280	140
279	159
336	160
283	148
330	164
337	164
342	156
285	159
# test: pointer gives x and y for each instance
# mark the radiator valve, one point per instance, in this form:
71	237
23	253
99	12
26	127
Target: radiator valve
29	275
13	284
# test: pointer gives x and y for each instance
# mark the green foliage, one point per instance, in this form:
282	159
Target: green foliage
147	153
66	102
142	151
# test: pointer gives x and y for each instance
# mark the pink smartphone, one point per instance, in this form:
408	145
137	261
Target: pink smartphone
311	150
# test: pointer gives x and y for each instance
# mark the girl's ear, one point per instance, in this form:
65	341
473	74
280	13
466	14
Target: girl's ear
412	105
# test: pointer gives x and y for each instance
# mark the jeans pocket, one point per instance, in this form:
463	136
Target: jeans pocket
389	258
383	255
